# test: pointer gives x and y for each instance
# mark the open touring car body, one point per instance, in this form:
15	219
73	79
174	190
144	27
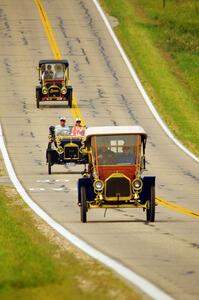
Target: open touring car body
64	149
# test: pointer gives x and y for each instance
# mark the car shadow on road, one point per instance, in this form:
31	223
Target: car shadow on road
138	221
116	221
63	173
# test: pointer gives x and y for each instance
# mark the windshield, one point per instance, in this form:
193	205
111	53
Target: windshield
116	149
52	71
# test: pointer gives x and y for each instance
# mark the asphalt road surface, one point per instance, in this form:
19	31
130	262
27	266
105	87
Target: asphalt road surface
166	252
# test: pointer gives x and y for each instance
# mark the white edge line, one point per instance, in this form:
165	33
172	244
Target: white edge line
140	86
144	285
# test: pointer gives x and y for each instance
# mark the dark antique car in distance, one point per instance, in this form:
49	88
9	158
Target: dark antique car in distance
114	179
54	82
64	149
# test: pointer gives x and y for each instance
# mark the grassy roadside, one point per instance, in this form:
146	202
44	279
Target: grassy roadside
163	46
36	263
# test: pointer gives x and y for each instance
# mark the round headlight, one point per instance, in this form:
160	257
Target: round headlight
63	90
60	150
137	184
98	185
44	90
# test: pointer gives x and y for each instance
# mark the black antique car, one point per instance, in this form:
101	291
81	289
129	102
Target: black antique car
64	149
114	177
54	82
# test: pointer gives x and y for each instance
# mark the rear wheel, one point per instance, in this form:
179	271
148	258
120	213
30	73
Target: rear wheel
70	99
49	162
83	207
150	212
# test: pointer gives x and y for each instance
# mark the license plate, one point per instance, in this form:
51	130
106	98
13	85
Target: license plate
69	164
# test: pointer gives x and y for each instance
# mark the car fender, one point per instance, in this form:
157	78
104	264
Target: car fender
145	194
69	89
87	182
38	87
54	155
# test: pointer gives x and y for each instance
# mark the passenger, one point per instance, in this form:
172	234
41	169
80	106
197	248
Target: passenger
105	156
78	129
42	71
128	156
59	74
48	74
62	129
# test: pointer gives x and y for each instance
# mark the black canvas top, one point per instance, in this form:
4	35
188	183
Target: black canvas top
53	61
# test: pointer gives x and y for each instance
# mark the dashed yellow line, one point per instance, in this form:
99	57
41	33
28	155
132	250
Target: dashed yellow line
76	111
56	52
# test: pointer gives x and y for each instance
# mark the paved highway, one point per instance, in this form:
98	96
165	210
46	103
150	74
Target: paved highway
166	252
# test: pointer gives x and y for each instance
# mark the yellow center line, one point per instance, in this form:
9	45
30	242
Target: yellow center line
177	208
76	111
48	29
56	52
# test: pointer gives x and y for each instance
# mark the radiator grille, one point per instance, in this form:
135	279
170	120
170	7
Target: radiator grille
71	153
54	91
118	188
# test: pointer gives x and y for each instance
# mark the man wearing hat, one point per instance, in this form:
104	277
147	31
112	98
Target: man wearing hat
59	74
62	129
78	129
48	74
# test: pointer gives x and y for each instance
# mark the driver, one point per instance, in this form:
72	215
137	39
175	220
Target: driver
59	74
62	129
105	156
128	156
48	74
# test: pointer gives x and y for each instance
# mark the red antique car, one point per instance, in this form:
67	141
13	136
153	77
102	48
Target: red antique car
114	176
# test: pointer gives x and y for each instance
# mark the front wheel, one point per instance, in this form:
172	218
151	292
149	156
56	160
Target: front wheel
150	211
70	99
49	163
37	103
38	98
83	207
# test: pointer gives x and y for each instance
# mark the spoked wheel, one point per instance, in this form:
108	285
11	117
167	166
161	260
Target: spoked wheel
150	212
70	99
83	207
49	162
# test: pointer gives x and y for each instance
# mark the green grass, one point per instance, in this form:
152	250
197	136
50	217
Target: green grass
163	45
33	266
